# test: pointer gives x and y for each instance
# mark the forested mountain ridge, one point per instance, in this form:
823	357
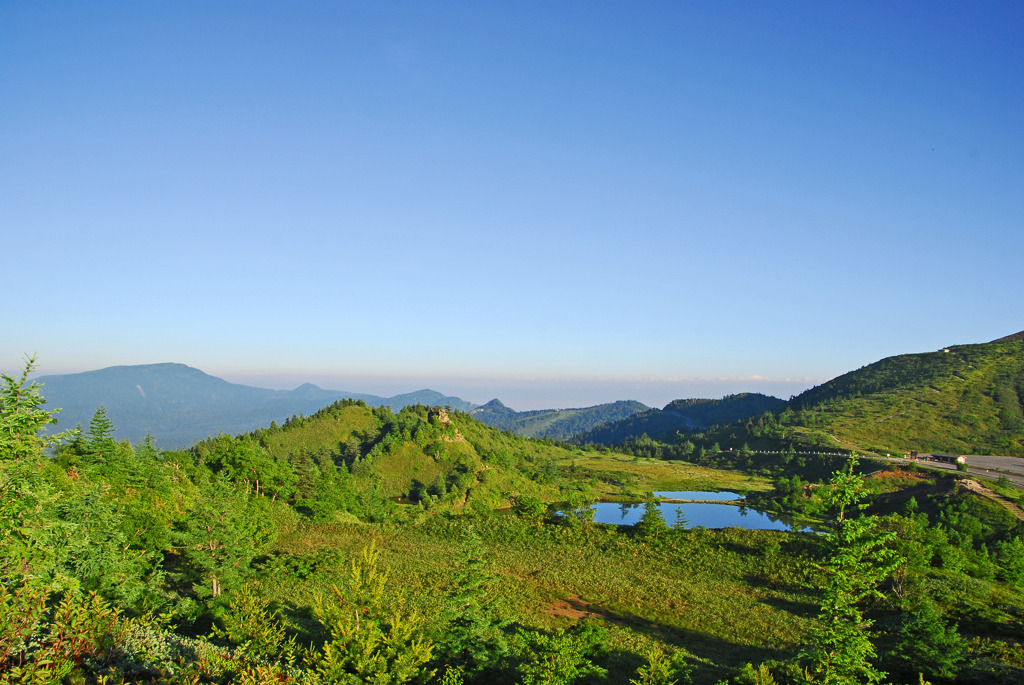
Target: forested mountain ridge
177	404
681	415
559	424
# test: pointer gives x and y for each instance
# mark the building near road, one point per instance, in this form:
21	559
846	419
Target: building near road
945	458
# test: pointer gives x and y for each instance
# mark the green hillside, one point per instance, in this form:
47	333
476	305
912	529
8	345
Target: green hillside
558	424
351	461
681	415
967	399
418	455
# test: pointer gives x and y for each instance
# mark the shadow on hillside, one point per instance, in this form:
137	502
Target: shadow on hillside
712	659
305	628
796	608
741	549
622	665
716	659
758	580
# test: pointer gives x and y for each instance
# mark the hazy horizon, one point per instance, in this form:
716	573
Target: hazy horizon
521	394
524	394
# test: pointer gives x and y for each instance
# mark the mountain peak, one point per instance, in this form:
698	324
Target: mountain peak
493	404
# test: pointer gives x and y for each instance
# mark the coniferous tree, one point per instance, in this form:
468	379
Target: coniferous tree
26	494
374	637
100	436
473	635
925	643
652	523
227	528
857	559
22	418
1011	561
560	658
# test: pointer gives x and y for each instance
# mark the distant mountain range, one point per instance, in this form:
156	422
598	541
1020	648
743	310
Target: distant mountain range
966	399
681	416
178	405
559	424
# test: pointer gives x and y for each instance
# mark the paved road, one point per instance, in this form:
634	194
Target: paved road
1012	468
1013	465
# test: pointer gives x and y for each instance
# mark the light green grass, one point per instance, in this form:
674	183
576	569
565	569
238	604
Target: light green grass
704	591
625	478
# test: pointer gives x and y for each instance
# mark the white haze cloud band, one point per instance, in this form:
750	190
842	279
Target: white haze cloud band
526	392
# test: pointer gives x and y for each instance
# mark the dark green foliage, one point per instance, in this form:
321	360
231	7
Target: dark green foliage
87	540
926	643
576	510
250	464
68	529
529	507
227	528
652	524
1011	561
559	658
22	417
792	496
100	437
473	636
682	415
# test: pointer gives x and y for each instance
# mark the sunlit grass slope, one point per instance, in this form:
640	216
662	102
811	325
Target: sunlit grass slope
715	594
965	399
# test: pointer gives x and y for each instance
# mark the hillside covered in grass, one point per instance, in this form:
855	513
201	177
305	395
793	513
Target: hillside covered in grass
966	399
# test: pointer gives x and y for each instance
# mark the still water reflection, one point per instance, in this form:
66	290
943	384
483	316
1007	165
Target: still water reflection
704	514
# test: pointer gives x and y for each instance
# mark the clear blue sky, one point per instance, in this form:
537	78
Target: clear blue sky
555	203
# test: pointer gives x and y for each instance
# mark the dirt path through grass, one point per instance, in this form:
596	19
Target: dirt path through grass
976	487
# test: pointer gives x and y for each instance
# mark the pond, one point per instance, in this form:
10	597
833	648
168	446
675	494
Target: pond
706	514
